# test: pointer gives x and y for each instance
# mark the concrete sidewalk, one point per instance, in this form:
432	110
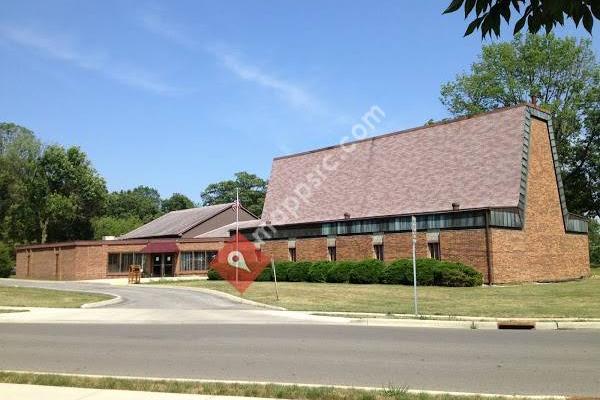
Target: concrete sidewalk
251	317
11	391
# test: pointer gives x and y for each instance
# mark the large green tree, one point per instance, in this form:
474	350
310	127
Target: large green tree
114	226
176	202
252	191
46	193
20	152
142	202
565	76
68	194
487	15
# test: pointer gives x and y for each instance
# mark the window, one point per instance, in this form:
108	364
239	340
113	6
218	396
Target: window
434	250
292	254
196	260
120	262
378	250
331	253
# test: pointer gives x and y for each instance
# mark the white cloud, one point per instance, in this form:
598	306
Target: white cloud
291	92
64	49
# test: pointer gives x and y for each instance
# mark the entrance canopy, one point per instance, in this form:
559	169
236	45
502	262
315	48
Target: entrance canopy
160	247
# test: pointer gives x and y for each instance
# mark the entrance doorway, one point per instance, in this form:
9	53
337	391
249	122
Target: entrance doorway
163	264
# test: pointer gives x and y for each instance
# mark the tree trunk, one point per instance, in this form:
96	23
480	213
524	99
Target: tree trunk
44	228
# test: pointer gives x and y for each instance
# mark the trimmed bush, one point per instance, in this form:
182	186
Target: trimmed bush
282	268
266	275
318	271
213	275
340	272
457	275
396	273
298	272
367	271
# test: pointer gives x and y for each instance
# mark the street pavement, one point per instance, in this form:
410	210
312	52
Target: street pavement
523	362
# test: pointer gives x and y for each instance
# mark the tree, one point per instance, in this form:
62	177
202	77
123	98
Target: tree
252	192
6	261
594	236
565	76
535	14
68	193
176	202
142	202
19	158
114	226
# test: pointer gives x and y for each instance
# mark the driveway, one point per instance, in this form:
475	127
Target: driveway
141	297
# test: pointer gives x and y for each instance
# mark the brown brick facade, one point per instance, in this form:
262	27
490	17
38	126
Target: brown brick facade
542	250
89	260
467	246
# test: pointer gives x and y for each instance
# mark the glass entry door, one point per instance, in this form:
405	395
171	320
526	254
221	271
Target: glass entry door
162	264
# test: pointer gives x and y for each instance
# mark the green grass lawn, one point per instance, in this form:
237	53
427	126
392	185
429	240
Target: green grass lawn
292	392
576	299
33	297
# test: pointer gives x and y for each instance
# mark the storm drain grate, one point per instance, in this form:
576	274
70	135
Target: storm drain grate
516	324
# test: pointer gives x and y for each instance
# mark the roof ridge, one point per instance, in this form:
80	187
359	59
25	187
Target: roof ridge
413	129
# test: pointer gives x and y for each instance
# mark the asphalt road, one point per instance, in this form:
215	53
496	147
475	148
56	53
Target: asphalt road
139	297
524	362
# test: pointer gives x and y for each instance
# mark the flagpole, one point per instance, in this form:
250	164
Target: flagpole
237	229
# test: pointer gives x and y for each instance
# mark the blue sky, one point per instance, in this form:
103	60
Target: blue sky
177	95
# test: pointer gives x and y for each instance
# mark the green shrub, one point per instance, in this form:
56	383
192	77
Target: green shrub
282	268
298	271
266	275
213	275
6	262
318	271
340	272
396	273
366	271
456	275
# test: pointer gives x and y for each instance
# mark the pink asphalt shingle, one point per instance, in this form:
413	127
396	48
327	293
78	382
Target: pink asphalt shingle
475	162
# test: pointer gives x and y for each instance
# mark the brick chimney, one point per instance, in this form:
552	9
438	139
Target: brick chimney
455	206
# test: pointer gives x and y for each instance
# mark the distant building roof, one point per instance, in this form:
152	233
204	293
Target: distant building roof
225	231
474	161
175	223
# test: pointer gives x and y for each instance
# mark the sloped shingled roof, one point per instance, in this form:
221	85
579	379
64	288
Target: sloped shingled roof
175	223
225	231
475	162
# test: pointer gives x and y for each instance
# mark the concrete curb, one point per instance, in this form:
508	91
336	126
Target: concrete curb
309	385
464	322
115	300
224	295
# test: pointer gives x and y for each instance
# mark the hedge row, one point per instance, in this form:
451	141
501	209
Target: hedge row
430	272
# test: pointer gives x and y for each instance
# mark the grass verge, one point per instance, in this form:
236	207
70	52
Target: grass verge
275	391
576	299
33	297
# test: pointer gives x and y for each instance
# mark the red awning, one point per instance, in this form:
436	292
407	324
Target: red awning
161	247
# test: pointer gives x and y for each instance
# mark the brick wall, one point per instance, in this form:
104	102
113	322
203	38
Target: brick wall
542	251
87	261
278	249
399	245
357	247
465	246
311	249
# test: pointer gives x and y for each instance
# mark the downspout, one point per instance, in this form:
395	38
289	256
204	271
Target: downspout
488	248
